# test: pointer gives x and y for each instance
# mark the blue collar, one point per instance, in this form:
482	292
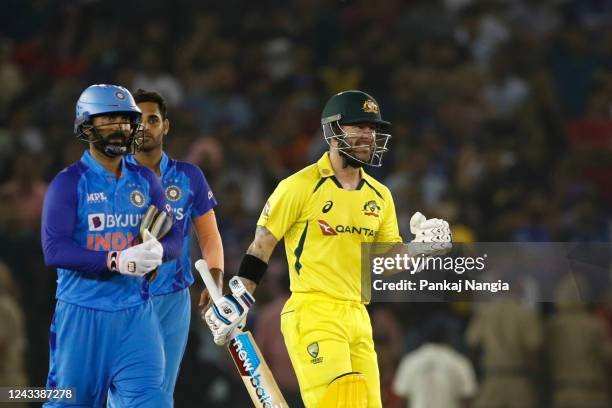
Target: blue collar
95	165
163	164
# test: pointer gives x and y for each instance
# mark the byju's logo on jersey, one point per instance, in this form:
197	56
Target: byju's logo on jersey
96	222
94	198
99	221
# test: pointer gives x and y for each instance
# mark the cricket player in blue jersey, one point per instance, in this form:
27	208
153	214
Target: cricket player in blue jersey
105	336
192	202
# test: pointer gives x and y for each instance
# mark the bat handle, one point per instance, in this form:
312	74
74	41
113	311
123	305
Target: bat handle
213	289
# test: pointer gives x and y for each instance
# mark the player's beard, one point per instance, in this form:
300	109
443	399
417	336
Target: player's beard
352	157
113	144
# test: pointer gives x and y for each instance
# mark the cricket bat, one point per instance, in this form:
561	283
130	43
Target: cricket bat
251	365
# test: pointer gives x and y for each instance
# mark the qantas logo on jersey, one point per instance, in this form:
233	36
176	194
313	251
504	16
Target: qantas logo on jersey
100	221
327	229
93	198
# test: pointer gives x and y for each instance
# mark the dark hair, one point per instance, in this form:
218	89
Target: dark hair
152	96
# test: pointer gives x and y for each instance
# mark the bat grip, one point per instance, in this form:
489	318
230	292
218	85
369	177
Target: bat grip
213	289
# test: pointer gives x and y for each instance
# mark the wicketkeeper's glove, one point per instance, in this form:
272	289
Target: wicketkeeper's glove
229	313
158	223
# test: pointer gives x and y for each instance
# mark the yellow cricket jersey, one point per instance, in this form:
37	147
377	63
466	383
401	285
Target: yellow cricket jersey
324	225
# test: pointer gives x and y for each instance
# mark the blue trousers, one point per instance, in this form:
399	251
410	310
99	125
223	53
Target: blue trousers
173	311
116	353
174	314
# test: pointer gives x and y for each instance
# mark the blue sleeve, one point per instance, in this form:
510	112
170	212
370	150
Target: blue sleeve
173	241
59	217
203	198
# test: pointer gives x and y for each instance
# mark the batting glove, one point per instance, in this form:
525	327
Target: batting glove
137	260
229	313
434	233
155	245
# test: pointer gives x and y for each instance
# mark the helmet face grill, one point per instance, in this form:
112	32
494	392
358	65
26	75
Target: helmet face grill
334	130
354	107
103	99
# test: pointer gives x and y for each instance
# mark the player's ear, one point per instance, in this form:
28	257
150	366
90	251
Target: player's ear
166	126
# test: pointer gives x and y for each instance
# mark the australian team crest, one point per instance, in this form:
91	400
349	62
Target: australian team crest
370	106
371	208
137	199
173	193
313	350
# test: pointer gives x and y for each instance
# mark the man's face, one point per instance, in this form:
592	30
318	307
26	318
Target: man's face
155	127
114	129
361	139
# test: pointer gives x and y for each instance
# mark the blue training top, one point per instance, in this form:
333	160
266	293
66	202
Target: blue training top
189	196
89	212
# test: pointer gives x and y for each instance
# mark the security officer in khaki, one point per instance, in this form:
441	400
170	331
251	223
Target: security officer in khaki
509	335
579	349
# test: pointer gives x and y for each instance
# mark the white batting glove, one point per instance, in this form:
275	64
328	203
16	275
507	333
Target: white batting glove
434	233
137	260
156	246
229	313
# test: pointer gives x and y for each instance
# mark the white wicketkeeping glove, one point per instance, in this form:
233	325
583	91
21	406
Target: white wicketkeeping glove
229	313
434	233
137	260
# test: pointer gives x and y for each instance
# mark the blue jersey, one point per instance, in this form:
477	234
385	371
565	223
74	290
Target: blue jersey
189	196
89	212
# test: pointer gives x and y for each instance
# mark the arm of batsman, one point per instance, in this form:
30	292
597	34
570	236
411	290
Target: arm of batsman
433	235
229	313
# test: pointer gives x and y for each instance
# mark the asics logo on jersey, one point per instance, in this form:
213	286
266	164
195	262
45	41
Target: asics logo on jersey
100	221
328	206
327	229
93	198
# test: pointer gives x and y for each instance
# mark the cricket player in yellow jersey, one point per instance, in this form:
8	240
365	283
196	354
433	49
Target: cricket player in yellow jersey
325	212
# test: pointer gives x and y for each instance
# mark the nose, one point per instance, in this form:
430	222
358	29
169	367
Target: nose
366	134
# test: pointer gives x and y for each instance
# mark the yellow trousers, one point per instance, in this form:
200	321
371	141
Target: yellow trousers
327	338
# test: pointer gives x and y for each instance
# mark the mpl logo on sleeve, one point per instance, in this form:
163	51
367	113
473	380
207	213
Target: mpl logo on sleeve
94	198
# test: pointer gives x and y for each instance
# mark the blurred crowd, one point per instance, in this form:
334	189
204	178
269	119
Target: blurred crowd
501	113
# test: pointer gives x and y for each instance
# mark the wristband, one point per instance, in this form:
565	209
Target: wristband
252	268
111	261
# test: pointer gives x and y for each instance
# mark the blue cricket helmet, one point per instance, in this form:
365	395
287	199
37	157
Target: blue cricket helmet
102	99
